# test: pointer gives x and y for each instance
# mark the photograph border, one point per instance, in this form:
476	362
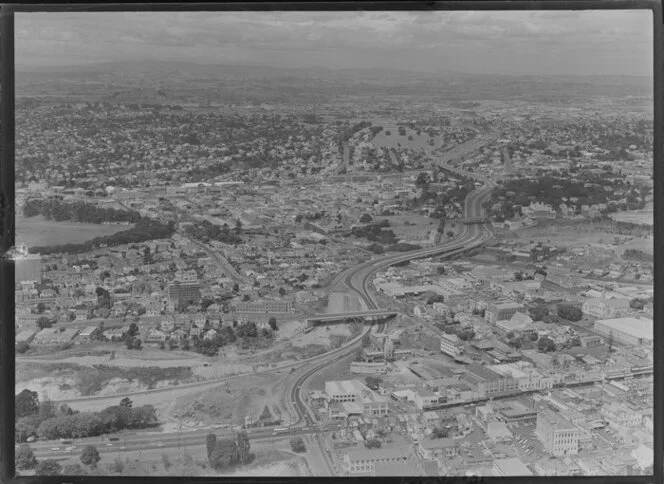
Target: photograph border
7	211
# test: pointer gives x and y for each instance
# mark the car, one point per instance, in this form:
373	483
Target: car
55	448
114	439
109	445
32	438
160	444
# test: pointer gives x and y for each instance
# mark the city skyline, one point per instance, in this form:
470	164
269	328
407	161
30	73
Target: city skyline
514	42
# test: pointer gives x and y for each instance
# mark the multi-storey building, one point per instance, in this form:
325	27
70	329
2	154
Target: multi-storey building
487	382
451	345
354	391
184	293
559	435
364	461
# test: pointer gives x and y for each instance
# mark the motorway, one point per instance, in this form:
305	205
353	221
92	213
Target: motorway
356	279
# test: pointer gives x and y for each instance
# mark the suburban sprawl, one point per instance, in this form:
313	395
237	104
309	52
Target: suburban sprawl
358	283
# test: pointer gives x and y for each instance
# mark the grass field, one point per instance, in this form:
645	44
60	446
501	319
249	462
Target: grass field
37	231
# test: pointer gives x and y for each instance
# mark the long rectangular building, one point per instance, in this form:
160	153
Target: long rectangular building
356	392
628	331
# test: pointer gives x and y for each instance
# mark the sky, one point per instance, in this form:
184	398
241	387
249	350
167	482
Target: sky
609	42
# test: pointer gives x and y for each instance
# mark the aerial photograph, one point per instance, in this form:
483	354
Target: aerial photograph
334	243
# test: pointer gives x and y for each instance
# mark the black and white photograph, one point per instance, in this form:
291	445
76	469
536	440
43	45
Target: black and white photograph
334	243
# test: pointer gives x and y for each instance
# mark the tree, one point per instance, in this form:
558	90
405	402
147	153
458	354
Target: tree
372	444
273	323
44	322
366	218
243	447
569	312
211	443
225	454
373	382
538	312
132	331
436	298
450	233
297	445
126	402
48	467
26	403
533	336
90	456
25	457
440	433
22	347
546	344
74	469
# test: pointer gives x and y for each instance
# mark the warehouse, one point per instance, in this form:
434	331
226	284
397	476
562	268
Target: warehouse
628	331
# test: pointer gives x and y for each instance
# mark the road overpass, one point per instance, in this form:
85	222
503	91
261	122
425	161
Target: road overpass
370	316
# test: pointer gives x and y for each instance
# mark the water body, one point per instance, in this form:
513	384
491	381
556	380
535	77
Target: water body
37	231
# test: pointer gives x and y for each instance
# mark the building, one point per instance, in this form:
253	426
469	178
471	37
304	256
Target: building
184	293
488	382
628	331
512	411
265	307
606	308
364	461
28	268
55	336
591	341
354	391
510	467
559	435
538	210
451	345
502	311
437	448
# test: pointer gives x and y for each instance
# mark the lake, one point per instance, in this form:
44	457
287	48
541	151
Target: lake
37	231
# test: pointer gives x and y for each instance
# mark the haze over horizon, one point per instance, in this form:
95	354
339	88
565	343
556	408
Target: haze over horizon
540	43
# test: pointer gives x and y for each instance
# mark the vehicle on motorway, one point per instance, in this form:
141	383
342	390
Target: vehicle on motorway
114	439
109	445
280	430
160	444
32	438
55	448
66	441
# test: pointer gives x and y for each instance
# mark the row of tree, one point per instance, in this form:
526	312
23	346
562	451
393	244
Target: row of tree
77	212
43	420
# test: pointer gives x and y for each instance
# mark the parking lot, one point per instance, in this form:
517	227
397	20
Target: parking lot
527	444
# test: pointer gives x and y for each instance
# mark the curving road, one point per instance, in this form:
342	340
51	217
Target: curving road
357	279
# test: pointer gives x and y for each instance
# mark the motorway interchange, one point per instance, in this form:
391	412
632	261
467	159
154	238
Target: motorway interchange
355	279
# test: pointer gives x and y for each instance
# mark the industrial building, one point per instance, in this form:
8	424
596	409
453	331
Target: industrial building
628	331
354	391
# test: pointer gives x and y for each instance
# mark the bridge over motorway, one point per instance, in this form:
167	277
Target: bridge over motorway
474	220
370	315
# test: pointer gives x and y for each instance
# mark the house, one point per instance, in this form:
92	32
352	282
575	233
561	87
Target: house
209	335
167	325
89	334
115	334
437	448
156	336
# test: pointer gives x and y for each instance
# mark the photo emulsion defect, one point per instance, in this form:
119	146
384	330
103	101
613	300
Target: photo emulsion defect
334	243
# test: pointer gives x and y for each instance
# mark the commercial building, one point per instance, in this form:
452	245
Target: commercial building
354	391
559	435
628	331
510	467
437	448
184	293
364	461
488	382
451	345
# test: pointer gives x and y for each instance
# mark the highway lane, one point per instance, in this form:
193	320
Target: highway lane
358	278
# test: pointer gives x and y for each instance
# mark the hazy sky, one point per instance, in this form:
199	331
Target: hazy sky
556	42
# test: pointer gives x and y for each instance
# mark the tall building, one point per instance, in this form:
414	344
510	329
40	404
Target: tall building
184	293
502	311
28	268
451	345
559	436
